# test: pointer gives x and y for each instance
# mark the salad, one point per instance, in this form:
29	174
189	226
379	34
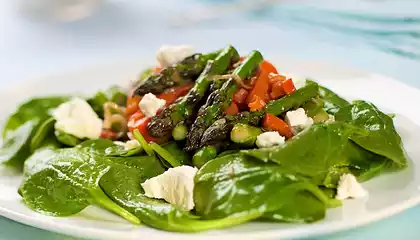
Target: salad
201	141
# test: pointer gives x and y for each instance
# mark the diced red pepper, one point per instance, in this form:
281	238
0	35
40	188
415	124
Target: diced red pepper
141	125
134	118
256	104
232	109
277	90
274	123
274	78
172	94
268	67
262	86
239	96
132	105
289	86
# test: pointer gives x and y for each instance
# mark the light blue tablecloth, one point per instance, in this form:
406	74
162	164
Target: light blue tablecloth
378	36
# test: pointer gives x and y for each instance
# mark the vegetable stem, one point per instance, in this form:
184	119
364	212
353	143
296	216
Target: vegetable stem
143	143
165	155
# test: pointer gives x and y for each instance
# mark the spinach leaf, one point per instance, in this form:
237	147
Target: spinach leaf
66	139
107	147
62	182
311	153
122	185
302	208
314	108
42	132
114	94
236	184
380	136
21	127
332	102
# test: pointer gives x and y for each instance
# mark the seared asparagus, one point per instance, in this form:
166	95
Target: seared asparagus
219	130
163	124
293	100
219	100
189	69
245	134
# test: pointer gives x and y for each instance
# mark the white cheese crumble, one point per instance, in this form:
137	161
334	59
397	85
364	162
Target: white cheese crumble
76	117
349	187
175	186
169	55
269	139
298	120
129	145
150	104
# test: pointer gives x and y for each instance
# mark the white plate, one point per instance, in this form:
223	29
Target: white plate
389	194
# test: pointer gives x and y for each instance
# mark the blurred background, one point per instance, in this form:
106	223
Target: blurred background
42	37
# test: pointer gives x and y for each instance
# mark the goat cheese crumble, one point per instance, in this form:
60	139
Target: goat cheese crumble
76	117
298	120
129	145
174	186
169	55
349	187
150	104
269	139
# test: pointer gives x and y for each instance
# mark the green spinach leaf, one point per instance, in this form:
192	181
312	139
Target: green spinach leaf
122	185
21	127
302	208
114	94
236	184
332	102
62	182
107	147
312	153
45	130
381	137
66	139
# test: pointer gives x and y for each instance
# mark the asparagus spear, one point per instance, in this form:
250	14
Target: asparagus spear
244	134
219	100
293	100
220	129
188	69
163	124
